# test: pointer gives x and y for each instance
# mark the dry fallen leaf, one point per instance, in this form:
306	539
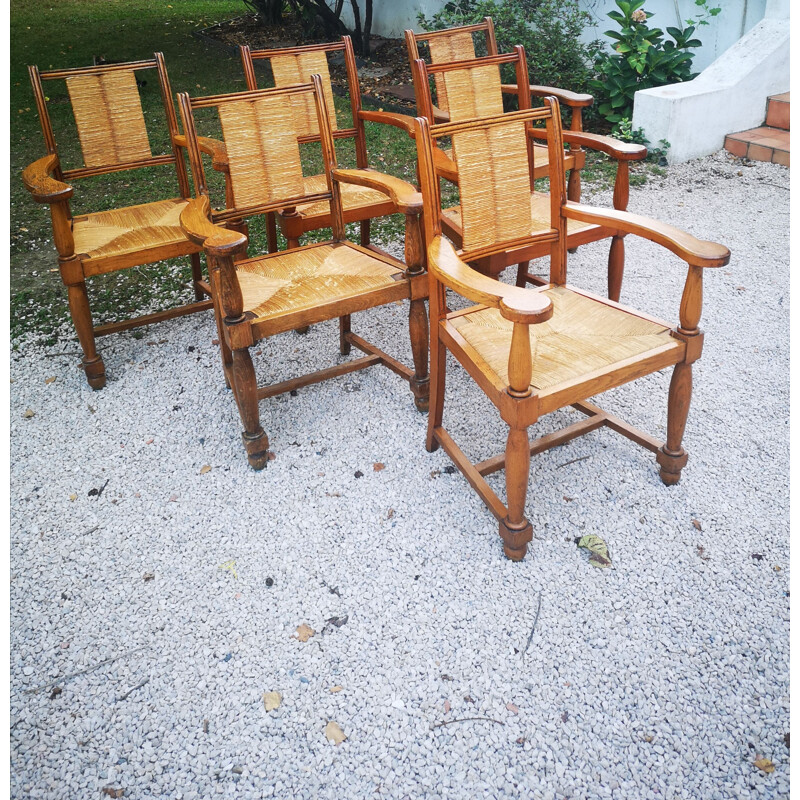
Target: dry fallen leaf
333	733
304	632
110	791
50	379
73	497
272	700
377	466
512	708
696	523
205	468
29	412
597	548
446	706
148	576
335	689
764	764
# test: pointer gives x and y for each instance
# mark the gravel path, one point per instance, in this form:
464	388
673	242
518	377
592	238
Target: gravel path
162	598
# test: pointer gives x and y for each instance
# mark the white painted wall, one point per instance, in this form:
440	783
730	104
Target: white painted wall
728	96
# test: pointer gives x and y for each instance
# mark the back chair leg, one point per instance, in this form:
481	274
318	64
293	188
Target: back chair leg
672	457
197	276
344	329
82	319
515	530
245	390
364	225
436	400
522	273
418	329
272	232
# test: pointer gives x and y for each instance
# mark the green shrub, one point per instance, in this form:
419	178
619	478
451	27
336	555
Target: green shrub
549	30
643	57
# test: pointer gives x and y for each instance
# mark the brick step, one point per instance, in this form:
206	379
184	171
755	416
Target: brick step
778	111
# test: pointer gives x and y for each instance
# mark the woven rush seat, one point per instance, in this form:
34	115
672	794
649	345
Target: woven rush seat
583	339
320	277
130	231
354	199
540	217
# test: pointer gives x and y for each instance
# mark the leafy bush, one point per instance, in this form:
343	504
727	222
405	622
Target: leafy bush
643	58
549	30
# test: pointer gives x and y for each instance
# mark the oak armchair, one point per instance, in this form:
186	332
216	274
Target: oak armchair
532	351
113	137
256	298
473	89
360	202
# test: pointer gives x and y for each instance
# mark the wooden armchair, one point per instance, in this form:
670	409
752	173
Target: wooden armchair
360	202
113	137
473	88
532	351
256	298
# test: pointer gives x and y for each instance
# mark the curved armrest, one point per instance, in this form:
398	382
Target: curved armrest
516	304
43	187
211	147
695	252
214	239
565	96
622	151
402	121
444	165
402	194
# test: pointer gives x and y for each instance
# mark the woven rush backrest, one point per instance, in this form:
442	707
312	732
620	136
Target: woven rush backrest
494	184
263	153
292	69
472	92
457	46
108	115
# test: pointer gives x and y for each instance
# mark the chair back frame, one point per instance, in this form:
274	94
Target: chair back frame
235	212
157	63
356	130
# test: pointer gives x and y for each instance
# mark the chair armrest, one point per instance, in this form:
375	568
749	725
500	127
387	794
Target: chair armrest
622	151
516	304
43	187
695	252
402	194
211	147
214	239
444	165
440	115
402	121
568	98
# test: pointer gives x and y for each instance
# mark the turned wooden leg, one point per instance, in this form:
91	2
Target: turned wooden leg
672	457
364	225
436	399
82	319
245	390
344	329
616	266
522	273
272	232
418	328
197	276
515	530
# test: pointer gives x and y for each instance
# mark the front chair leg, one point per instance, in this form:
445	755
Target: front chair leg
197	276
246	392
82	319
515	530
616	267
672	457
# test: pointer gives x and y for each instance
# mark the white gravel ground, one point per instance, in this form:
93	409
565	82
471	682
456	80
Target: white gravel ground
663	677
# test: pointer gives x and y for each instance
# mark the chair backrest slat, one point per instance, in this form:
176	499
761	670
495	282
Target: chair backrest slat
109	118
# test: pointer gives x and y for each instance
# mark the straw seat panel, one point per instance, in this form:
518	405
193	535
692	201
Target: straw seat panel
582	337
109	118
130	230
353	197
540	216
296	280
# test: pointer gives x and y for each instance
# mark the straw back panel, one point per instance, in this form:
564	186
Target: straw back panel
109	118
493	179
458	46
473	92
263	153
292	69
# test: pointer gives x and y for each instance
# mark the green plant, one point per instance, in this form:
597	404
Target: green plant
643	57
704	13
549	30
